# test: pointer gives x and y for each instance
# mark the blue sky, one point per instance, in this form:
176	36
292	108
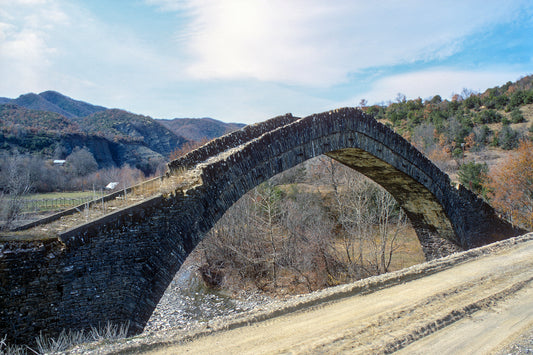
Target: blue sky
249	60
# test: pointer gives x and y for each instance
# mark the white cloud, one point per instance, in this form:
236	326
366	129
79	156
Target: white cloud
23	57
311	43
55	44
169	5
26	53
425	84
254	58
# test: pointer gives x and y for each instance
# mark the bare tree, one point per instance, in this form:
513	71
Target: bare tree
310	241
233	248
351	210
391	221
423	138
370	221
81	162
17	183
267	200
126	176
294	234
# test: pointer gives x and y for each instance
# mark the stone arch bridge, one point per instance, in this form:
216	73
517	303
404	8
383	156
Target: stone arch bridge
117	268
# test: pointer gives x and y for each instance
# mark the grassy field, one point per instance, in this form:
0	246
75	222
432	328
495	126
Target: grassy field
56	195
57	200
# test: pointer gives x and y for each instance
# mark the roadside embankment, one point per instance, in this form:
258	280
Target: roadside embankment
379	314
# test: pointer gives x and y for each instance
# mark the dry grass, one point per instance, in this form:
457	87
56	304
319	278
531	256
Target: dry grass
409	251
66	340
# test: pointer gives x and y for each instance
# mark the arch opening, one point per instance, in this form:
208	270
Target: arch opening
368	155
298	219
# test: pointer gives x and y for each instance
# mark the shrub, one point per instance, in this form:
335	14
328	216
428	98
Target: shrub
508	138
482	134
516	99
516	116
488	116
436	100
472	102
528	99
472	175
457	153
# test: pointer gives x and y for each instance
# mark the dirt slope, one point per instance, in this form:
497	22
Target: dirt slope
473	302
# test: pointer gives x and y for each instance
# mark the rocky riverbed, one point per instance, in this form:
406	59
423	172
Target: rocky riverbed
188	304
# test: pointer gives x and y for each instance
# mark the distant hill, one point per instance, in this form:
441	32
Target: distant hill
120	125
52	124
75	107
194	129
197	129
114	137
52	101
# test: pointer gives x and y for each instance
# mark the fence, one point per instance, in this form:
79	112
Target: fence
142	190
52	204
148	187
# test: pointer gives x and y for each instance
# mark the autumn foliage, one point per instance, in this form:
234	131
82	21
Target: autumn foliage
510	186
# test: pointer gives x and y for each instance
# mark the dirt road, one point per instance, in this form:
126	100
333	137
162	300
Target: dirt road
471	303
478	306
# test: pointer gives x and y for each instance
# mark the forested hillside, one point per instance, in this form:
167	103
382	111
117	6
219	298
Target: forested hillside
122	126
115	138
469	122
52	125
483	140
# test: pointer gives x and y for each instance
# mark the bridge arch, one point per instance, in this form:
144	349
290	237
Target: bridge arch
445	218
117	268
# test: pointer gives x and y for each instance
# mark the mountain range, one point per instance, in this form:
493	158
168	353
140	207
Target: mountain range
53	125
52	101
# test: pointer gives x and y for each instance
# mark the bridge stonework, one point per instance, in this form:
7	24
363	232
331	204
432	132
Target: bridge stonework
117	268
